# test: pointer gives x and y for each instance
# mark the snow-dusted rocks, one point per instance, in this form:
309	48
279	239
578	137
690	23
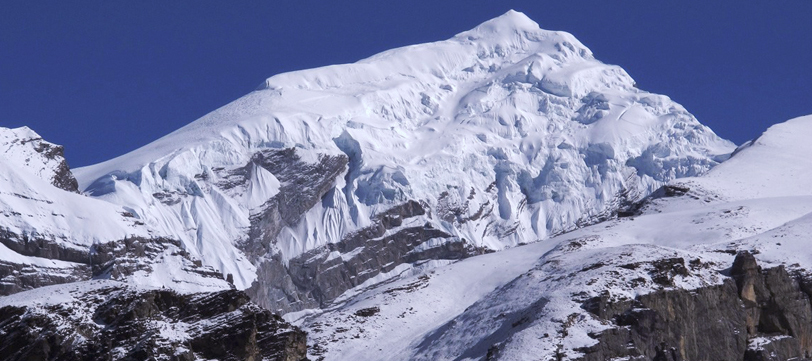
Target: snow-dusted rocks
505	134
25	149
110	320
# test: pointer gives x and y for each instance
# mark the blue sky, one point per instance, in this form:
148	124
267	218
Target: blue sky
107	77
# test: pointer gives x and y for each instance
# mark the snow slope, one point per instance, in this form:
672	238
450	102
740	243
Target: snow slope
769	166
508	134
757	201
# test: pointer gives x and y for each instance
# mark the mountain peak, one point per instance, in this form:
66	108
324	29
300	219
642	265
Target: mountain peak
511	20
504	134
515	30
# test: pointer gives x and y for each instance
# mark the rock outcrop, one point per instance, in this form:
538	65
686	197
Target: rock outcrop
301	186
755	315
112	321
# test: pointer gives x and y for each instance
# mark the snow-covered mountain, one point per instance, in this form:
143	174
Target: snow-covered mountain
326	179
655	285
498	195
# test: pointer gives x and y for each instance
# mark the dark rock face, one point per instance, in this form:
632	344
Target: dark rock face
20	277
63	178
319	276
33	246
368	312
775	306
675	325
118	323
755	315
454	211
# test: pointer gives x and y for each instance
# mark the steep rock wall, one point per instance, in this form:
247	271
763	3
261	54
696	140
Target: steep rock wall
756	315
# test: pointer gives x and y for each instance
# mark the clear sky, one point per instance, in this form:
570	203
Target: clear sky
107	77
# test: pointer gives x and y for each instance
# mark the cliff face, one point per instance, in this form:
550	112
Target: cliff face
111	321
756	315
